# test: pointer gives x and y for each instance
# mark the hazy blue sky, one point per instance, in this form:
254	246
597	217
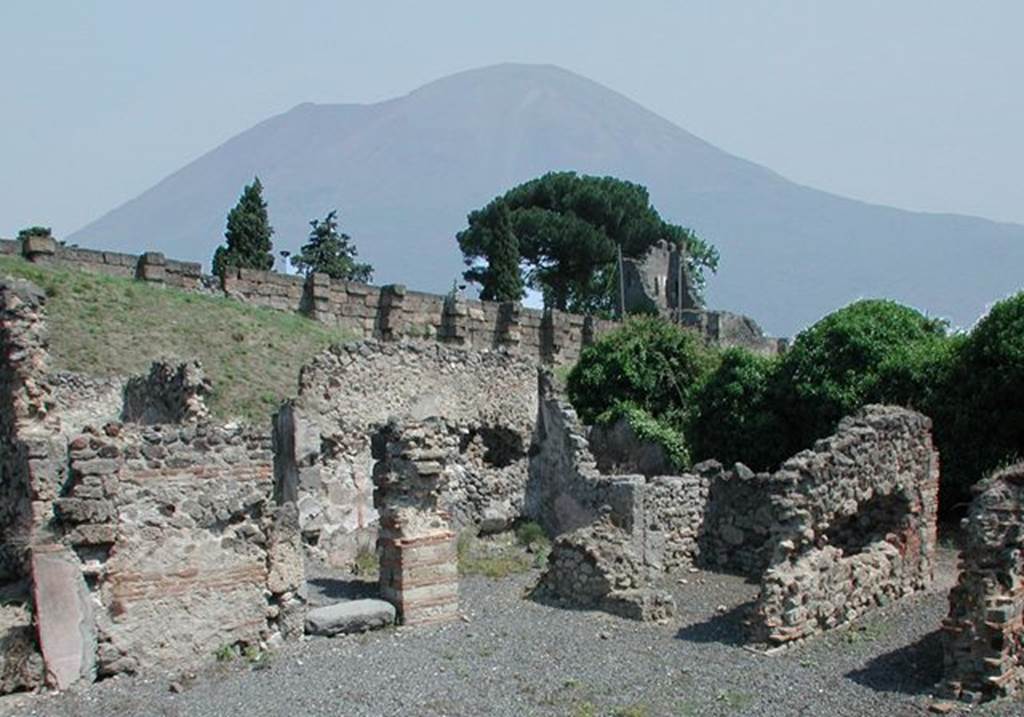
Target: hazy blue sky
914	103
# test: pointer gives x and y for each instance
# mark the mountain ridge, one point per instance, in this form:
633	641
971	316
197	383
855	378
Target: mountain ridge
404	172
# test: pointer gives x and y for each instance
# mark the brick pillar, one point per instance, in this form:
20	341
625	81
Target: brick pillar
419	565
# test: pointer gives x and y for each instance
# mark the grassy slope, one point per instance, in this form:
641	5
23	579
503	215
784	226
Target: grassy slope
107	326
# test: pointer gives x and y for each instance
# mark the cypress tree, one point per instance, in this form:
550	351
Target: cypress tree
248	234
504	280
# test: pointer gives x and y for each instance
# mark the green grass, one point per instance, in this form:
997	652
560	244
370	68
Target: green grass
490	558
106	326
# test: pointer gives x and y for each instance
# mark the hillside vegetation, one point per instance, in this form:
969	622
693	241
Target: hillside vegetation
106	326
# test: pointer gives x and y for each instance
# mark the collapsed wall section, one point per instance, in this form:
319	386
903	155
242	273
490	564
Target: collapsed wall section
324	460
983	635
855	524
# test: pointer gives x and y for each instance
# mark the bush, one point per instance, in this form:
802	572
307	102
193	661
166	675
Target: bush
870	351
735	420
646	371
979	407
35	231
648	363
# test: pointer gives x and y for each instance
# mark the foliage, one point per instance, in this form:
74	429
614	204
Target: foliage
660	432
979	409
568	229
248	234
501	277
35	231
849	358
735	420
489	558
330	252
648	363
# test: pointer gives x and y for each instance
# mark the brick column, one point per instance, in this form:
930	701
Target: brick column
419	566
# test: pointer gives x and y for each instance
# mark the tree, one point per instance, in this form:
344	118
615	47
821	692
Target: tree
330	252
568	230
248	234
501	278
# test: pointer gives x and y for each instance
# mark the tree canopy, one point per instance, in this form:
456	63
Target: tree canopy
330	252
248	234
567	230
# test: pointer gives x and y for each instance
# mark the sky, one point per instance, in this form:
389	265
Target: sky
917	104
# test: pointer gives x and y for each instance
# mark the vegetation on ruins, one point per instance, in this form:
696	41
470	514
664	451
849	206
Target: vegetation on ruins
736	406
567	231
646	372
328	251
248	234
34	231
108	326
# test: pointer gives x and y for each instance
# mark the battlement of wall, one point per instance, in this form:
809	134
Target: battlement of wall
389	312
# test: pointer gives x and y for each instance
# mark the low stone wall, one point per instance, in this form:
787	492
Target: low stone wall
983	636
855	524
488	400
738	520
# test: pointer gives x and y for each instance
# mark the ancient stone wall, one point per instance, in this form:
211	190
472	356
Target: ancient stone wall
983	636
855	524
182	544
169	393
487	398
130	545
392	312
738	520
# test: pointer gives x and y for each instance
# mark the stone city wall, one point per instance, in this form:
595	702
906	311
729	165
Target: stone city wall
855	524
392	312
983	636
488	400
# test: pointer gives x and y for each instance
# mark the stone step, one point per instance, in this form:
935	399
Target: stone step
350	616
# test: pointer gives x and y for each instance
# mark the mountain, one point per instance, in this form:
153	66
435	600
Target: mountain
405	172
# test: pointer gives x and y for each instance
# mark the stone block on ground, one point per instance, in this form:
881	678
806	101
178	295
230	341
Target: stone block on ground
347	617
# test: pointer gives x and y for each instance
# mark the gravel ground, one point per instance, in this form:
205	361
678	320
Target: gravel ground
512	656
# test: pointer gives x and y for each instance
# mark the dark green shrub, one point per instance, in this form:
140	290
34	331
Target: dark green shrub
646	371
979	411
35	231
866	352
647	363
735	420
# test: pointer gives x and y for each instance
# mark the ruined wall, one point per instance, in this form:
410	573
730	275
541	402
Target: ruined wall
487	398
856	524
182	545
983	636
170	393
566	492
738	520
130	545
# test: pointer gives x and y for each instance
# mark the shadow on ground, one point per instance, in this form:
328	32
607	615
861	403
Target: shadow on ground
727	628
328	590
914	669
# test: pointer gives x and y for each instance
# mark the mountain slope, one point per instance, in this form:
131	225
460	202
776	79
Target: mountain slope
404	173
